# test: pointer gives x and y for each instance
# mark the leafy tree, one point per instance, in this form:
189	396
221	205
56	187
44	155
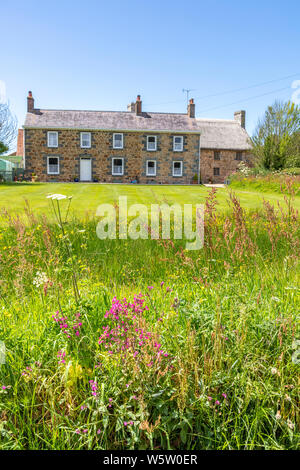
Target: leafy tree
274	136
8	128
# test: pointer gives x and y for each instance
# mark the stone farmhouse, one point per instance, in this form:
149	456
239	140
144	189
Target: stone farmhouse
132	146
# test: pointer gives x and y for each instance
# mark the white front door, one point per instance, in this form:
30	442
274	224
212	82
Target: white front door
85	169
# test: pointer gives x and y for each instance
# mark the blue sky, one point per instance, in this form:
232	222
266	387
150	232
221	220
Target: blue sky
100	54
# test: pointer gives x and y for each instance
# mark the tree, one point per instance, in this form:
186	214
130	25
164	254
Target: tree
8	128
275	134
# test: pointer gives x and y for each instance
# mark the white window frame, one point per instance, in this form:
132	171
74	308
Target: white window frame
48	139
81	140
112	166
155	142
173	168
52	172
151	174
114	142
181	143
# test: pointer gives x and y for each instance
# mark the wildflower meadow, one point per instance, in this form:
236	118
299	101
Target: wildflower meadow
142	344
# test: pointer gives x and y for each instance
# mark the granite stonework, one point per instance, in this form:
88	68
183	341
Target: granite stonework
216	163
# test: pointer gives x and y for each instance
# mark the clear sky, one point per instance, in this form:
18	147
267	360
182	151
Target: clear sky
100	54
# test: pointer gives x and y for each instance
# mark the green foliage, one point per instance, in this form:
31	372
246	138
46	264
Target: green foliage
227	315
276	138
3	148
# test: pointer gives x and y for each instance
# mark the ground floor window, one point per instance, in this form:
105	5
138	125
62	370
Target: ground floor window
117	166
177	168
151	168
216	171
53	165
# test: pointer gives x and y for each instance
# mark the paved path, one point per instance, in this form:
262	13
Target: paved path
214	185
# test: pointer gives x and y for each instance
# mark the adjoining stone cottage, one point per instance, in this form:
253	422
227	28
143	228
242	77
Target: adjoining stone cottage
132	146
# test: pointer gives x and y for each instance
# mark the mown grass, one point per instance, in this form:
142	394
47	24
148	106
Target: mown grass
87	197
227	316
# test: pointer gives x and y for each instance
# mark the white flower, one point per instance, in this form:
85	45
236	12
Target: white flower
290	424
58	197
40	279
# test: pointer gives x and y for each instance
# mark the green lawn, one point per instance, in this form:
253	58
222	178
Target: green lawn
86	197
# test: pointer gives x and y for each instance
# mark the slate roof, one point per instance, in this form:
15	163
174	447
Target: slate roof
217	134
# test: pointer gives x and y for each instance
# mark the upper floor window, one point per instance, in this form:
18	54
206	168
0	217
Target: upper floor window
53	165
178	143
239	156
151	142
85	140
117	166
151	168
216	171
52	139
177	168
118	141
217	155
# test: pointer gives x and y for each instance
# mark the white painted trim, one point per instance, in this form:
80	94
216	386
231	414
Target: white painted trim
151	174
81	138
112	166
48	135
181	148
155	149
114	146
51	172
181	163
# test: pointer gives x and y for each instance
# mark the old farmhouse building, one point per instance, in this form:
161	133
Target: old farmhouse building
132	146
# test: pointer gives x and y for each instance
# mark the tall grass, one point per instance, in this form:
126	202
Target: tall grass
162	348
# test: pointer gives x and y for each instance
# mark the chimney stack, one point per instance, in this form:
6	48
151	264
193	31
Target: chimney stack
30	103
131	107
138	105
240	116
191	108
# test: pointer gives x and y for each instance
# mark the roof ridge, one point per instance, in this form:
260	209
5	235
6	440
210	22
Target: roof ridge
106	111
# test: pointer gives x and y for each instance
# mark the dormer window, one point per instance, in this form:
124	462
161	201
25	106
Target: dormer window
52	139
118	141
178	143
151	143
85	140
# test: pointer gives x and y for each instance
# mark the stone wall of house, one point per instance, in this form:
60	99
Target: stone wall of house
134	153
224	162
